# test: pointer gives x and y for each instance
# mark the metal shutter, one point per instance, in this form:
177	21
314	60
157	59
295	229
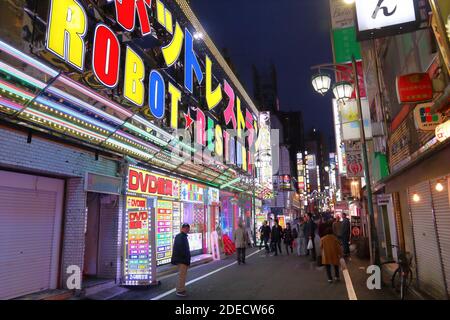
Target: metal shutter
30	218
441	204
428	266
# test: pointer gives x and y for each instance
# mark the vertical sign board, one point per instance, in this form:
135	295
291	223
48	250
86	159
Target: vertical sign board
176	218
164	229
345	45
138	250
350	120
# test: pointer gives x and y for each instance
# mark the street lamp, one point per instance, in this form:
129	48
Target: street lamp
342	92
321	83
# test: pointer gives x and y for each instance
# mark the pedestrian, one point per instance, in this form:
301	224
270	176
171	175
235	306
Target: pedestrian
331	253
181	256
241	241
337	228
288	238
265	235
261	237
301	240
310	234
345	234
275	237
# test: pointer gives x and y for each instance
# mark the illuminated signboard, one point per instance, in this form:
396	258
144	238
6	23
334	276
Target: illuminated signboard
443	131
137	246
381	18
301	173
264	151
176	218
147	183
424	119
282	221
164	237
195	241
192	192
340	149
213	196
117	65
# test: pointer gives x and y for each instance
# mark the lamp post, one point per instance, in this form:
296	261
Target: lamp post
343	91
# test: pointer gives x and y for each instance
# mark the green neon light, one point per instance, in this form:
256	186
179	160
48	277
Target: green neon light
230	183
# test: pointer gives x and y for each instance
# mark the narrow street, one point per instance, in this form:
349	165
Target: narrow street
261	278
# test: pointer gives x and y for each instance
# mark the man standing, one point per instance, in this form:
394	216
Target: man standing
181	257
265	235
240	241
310	234
275	237
345	235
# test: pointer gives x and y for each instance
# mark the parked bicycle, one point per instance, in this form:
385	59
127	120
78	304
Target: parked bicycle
402	277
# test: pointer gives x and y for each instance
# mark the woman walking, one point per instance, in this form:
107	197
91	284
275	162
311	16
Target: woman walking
301	241
331	253
288	238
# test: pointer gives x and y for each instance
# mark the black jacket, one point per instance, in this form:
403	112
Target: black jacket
310	229
346	228
181	253
277	233
265	232
287	236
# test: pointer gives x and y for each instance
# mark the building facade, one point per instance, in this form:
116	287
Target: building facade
113	134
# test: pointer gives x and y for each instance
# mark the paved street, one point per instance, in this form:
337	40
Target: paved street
262	277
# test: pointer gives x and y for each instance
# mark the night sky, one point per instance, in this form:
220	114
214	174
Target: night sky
293	34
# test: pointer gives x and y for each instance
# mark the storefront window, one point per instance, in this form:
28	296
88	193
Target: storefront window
193	202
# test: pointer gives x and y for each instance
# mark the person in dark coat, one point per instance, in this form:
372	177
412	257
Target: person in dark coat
265	235
181	256
310	231
288	238
275	237
345	236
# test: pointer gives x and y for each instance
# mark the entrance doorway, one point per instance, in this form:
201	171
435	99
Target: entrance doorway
92	236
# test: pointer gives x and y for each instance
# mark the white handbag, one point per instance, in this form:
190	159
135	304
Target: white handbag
310	245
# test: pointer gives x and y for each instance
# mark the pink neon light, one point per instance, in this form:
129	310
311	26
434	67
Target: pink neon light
200	125
249	126
94	95
10	104
229	111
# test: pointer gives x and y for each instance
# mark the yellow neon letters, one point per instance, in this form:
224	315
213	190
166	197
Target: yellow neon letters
176	98
172	51
240	118
134	76
212	97
66	29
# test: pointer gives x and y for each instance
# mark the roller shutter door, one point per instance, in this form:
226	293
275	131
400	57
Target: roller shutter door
30	226
441	204
425	239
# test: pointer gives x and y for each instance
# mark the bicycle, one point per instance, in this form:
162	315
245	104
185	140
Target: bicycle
402	277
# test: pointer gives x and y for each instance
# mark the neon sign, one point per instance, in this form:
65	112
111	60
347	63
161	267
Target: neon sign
67	33
147	183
